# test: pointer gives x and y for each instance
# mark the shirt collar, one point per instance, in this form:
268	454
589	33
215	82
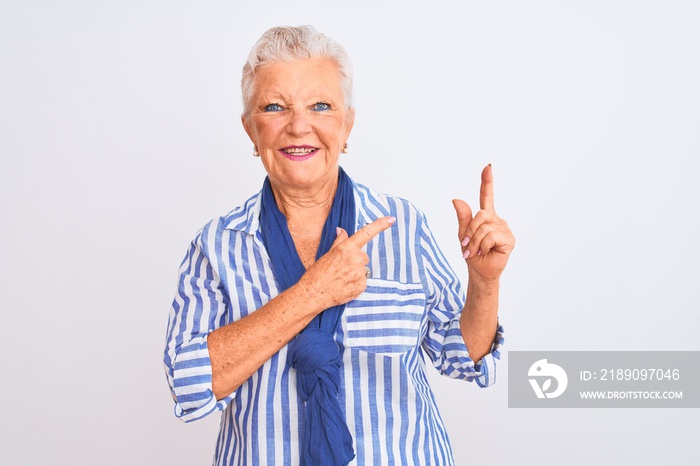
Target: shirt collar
245	218
363	214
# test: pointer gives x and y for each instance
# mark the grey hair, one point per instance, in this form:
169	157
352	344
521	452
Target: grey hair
286	43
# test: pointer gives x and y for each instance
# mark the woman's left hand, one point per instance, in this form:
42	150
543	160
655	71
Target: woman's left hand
486	239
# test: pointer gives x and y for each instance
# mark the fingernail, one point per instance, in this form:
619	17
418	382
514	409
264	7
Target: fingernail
465	241
337	231
466	254
478	253
489	165
391	220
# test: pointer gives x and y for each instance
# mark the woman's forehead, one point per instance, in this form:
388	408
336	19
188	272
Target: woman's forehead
298	78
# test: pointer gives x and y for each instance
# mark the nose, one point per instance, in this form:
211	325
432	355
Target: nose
298	122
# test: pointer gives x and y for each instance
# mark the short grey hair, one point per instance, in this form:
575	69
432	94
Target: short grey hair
286	43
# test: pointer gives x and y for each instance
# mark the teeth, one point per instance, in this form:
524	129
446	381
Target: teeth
299	150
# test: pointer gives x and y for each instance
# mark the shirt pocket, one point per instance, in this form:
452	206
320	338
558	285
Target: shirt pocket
385	318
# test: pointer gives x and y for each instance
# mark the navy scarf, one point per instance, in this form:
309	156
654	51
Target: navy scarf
315	355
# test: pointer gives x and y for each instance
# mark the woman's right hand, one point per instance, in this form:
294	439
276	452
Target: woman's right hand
339	275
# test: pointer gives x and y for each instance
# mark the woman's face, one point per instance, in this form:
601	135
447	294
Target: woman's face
299	123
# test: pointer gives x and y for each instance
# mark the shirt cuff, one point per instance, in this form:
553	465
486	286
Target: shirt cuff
458	365
192	390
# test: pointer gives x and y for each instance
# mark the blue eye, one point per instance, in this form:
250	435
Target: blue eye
320	107
273	108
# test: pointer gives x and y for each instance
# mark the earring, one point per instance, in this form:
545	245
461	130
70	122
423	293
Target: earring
345	148
255	152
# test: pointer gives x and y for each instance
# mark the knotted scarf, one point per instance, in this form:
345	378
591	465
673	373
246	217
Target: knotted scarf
315	355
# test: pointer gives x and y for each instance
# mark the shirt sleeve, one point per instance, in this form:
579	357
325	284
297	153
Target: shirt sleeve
445	300
199	307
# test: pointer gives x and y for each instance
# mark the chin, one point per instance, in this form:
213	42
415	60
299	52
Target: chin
304	177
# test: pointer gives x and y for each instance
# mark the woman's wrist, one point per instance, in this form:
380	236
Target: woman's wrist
483	283
307	296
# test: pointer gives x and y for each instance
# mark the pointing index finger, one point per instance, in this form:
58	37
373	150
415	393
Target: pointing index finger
486	196
365	234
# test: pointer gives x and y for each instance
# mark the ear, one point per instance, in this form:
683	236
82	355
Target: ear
349	121
248	129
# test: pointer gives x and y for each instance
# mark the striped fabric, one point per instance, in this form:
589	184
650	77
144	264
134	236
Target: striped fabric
411	308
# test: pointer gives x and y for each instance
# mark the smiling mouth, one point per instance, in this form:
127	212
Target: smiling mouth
299	151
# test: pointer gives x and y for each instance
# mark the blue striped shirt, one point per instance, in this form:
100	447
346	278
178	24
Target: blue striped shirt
410	308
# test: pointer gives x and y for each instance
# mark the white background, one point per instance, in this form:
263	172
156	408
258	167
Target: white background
120	137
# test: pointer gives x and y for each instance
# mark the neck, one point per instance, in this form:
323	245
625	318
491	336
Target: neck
315	202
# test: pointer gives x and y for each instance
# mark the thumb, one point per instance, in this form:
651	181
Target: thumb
464	217
342	235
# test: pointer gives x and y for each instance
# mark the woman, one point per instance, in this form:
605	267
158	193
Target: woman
303	313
